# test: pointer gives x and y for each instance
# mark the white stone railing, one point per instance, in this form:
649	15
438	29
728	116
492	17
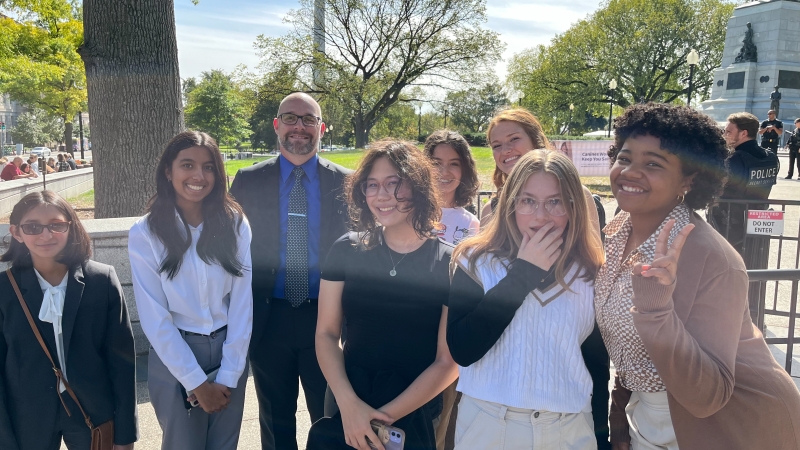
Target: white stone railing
66	184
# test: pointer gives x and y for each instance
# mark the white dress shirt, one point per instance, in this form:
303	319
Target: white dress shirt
201	298
52	311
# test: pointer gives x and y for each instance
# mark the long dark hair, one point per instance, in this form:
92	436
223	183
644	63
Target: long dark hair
415	169
78	248
468	187
222	216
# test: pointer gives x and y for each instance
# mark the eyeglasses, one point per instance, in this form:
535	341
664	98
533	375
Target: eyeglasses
291	119
33	229
527	206
371	188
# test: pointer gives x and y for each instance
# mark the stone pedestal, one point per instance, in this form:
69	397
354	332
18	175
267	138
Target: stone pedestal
747	86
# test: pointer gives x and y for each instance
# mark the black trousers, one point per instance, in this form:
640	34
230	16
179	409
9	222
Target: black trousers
770	145
72	429
284	353
792	158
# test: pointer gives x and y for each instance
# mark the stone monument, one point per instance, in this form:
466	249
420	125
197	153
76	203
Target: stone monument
762	53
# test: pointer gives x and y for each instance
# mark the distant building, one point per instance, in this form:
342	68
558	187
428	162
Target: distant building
9	113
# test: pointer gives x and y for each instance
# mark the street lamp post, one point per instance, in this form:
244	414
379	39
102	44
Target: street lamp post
330	130
80	127
612	86
692	58
419	122
445	119
569	122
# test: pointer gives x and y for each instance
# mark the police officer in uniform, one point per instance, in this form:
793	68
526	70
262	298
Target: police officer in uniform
793	145
752	171
771	131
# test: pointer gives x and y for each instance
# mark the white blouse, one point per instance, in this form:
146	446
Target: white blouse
201	298
52	311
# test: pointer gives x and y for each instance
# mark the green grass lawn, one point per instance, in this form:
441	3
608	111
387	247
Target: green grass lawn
483	158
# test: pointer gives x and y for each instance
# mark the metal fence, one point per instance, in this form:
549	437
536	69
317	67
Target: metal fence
788	314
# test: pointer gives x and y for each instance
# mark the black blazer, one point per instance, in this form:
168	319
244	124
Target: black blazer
98	347
257	190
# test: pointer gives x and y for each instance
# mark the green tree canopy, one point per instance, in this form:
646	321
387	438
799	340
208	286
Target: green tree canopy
642	44
37	127
217	106
471	109
39	63
374	50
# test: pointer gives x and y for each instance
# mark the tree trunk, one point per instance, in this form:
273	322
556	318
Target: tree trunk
362	130
67	135
131	57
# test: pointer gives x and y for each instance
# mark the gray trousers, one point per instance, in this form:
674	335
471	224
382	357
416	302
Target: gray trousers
197	430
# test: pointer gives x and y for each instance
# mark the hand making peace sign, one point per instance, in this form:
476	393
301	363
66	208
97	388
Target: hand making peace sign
665	263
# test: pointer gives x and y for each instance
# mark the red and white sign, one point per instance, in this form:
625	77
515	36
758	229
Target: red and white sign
589	157
767	223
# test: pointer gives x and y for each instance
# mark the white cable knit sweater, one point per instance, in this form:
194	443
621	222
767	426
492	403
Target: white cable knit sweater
537	362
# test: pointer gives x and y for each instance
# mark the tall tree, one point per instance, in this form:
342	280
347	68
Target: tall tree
641	44
39	63
37	127
217	106
131	57
472	108
375	49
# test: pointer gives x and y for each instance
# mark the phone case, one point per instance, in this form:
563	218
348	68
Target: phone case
211	376
392	438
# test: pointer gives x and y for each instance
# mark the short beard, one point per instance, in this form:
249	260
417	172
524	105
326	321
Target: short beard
301	150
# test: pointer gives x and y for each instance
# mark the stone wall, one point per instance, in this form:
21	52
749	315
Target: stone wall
109	246
66	184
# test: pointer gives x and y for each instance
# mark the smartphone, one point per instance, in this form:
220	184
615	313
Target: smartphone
191	399
391	437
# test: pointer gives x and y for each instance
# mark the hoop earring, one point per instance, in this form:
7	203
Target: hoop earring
682	197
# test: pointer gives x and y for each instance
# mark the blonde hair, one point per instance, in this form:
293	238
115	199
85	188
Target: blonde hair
532	128
501	237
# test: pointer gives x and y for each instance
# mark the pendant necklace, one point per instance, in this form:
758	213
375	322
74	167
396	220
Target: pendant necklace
394	272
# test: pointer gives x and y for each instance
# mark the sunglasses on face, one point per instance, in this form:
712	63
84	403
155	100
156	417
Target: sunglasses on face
33	229
291	119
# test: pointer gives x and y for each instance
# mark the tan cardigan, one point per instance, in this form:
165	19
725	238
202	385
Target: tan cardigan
725	389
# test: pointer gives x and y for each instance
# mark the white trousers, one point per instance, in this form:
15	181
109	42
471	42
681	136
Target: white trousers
651	424
486	425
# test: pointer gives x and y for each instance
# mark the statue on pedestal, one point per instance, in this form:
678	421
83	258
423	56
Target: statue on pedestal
749	52
775	103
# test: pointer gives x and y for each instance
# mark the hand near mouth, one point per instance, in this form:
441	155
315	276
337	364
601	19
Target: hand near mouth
542	247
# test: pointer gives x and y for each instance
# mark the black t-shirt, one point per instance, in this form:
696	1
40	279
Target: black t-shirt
392	322
771	135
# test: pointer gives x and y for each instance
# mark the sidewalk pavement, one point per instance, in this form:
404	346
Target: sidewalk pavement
150	432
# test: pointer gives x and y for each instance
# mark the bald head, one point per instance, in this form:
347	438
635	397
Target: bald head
17	161
300	97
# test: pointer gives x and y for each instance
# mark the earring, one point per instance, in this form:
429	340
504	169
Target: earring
169	179
682	197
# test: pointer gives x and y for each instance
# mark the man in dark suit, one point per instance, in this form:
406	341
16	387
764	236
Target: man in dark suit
296	211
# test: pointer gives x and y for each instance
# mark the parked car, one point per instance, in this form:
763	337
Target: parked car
41	152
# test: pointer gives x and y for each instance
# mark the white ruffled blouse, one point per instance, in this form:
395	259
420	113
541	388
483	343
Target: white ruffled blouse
52	310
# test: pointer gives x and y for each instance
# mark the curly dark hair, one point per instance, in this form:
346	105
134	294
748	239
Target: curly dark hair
415	171
468	188
691	136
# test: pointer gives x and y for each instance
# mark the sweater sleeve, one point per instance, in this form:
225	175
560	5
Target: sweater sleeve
475	321
695	359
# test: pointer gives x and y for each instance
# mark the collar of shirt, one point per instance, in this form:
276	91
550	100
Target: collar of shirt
309	167
619	229
53	302
196	229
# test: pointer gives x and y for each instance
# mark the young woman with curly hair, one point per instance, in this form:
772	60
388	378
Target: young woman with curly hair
671	300
389	281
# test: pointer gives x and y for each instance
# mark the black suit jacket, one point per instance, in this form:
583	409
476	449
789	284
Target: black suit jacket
257	190
98	347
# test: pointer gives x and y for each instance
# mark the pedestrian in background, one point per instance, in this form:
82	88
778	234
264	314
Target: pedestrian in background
61	165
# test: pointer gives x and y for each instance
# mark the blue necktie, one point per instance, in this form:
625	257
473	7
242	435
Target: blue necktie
296	287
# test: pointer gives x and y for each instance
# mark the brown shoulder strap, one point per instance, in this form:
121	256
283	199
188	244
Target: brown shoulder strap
59	376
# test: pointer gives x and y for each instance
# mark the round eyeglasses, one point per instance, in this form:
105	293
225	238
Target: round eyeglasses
527	206
291	119
32	229
371	188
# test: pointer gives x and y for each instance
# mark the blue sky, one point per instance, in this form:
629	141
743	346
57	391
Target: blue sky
219	34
